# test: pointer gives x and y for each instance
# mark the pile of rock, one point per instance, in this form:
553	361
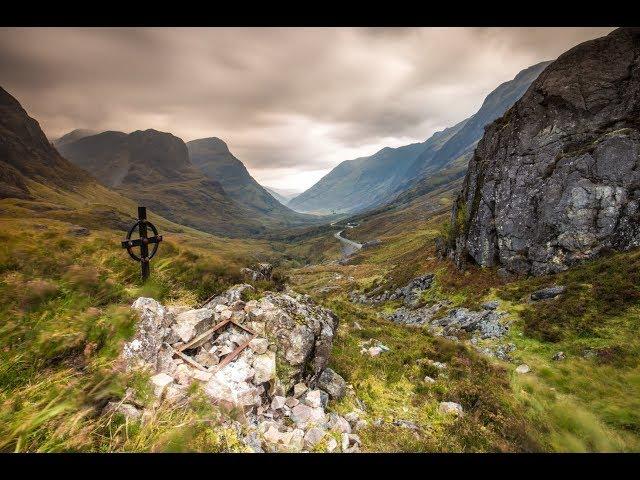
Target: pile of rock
410	293
419	316
266	358
483	324
261	271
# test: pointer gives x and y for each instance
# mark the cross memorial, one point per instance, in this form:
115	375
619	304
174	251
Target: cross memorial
142	242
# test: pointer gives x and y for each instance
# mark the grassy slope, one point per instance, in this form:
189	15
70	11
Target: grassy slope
64	316
587	402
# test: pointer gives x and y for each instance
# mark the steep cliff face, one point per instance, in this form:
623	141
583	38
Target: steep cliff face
556	180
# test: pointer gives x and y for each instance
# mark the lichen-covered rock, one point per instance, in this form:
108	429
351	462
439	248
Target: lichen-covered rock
233	294
143	350
261	271
555	180
302	333
332	383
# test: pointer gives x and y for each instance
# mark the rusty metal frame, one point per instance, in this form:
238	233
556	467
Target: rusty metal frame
203	337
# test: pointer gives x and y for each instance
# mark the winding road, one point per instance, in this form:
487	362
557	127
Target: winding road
348	246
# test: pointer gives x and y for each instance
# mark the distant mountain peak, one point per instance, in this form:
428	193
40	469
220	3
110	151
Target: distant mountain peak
73	136
212	156
213	143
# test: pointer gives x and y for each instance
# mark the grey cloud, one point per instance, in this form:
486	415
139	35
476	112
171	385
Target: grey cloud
291	98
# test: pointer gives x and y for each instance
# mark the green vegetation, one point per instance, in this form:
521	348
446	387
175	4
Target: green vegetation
64	316
63	319
589	401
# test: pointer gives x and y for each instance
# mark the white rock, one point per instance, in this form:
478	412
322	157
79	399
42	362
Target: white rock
292	402
338	424
143	350
272	435
296	442
232	384
345	442
259	345
201	375
313	398
313	437
451	408
374	351
225	350
183	374
176	393
428	379
207	359
332	444
438	365
304	415
265	367
159	382
299	389
193	322
352	417
278	402
524	368
360	424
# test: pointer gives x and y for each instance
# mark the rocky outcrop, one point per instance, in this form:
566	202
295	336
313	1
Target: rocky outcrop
268	358
484	324
260	271
556	180
409	294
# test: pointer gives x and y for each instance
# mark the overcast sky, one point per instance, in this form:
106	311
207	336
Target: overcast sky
291	103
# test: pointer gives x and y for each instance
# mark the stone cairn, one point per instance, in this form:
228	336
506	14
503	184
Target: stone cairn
266	358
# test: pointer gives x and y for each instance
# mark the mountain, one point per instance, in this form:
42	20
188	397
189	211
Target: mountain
154	168
556	179
27	157
281	198
283	195
72	136
367	182
213	158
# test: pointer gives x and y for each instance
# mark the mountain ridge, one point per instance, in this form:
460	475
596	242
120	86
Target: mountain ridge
409	164
214	159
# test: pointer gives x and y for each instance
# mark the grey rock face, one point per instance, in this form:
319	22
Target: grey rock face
486	323
145	348
556	179
419	316
410	293
332	383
